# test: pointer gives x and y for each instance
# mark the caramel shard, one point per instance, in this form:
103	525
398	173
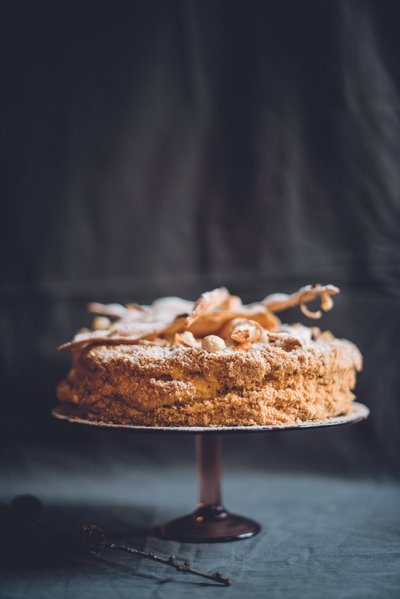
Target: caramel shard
186	338
207	302
113	310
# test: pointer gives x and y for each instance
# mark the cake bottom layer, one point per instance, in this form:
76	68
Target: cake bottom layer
306	398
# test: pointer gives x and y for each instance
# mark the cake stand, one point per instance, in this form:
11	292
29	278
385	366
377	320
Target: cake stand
211	522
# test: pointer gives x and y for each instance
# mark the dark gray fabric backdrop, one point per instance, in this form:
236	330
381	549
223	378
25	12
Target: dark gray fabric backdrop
169	147
153	148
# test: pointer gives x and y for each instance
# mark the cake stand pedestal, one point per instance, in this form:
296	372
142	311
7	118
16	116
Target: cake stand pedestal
211	522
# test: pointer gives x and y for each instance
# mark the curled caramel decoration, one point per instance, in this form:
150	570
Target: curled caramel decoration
216	312
314	315
326	301
281	301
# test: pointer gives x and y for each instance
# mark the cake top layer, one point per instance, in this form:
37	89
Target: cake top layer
228	366
216	322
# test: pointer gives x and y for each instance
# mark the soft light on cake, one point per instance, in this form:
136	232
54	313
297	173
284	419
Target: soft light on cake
212	362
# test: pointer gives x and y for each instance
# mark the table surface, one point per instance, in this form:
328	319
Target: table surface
321	536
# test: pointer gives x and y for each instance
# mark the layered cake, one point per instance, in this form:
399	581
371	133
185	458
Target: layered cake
211	362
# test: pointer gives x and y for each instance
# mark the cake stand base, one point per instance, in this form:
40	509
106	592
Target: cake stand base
211	524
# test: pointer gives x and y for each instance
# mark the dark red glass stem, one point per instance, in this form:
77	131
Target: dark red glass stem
208	450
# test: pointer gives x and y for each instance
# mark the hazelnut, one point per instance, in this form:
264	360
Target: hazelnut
101	323
213	343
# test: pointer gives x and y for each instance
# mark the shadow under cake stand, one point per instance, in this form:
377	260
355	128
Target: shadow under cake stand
211	522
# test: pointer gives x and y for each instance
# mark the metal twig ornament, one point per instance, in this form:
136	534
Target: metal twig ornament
95	541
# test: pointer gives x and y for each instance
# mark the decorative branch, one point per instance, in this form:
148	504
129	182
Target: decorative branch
93	538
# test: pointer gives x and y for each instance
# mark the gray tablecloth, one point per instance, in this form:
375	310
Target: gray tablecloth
321	537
